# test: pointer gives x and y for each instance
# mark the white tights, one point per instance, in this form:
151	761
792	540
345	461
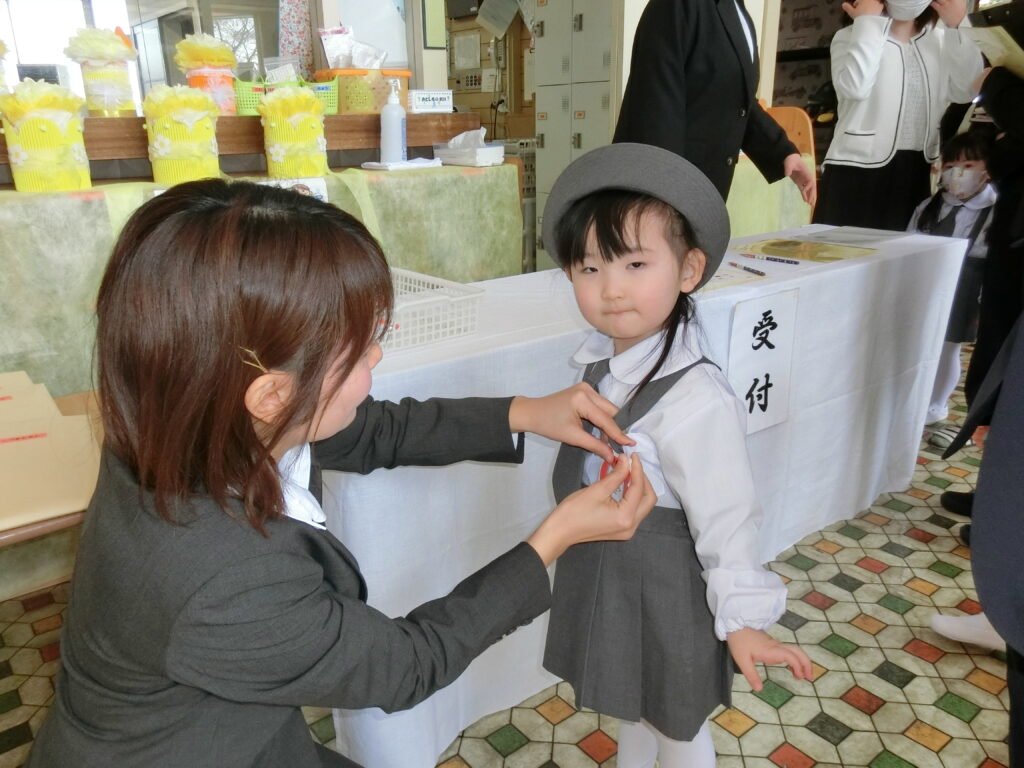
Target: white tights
640	744
946	377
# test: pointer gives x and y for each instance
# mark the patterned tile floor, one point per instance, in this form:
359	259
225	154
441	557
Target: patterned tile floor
888	692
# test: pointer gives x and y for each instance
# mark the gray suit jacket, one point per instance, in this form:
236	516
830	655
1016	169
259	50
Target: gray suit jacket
195	644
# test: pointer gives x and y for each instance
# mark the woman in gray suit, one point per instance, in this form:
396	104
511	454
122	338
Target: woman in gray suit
238	328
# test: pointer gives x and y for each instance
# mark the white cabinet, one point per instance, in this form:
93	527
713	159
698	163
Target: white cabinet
574	57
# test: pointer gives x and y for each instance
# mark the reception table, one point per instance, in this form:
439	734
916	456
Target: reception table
868	336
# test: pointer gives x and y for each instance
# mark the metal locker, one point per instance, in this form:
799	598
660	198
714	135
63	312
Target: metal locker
552	110
591	117
591	40
552	29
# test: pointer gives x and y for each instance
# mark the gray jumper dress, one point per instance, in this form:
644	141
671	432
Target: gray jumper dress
630	626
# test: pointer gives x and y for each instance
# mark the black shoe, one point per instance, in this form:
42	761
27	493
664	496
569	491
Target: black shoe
957	502
965	534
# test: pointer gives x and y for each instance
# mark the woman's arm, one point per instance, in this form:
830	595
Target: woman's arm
856	54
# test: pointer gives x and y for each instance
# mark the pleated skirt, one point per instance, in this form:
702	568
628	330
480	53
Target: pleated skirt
631	630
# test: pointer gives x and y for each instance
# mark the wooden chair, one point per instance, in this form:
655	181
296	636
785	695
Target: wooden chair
797	125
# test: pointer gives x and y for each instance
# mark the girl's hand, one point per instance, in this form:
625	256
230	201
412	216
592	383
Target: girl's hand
749	646
951	12
560	416
864	8
591	514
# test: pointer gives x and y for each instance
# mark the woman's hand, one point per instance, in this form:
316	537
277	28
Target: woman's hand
591	514
750	646
796	169
951	12
864	8
560	416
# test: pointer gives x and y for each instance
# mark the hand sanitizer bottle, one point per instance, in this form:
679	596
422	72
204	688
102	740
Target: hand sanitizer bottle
392	129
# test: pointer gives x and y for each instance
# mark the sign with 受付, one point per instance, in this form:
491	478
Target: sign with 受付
761	355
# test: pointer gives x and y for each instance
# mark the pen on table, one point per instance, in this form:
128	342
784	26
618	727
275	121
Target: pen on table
779	259
745	268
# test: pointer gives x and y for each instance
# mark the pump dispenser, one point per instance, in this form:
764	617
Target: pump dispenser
392	128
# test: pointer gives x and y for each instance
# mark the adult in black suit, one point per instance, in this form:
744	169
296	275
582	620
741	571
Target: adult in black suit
998	537
692	90
1001	93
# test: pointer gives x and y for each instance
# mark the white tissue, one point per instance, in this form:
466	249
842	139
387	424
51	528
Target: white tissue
469	139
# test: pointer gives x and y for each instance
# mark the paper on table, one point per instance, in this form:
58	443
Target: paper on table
48	468
862	236
998	46
803	249
403	165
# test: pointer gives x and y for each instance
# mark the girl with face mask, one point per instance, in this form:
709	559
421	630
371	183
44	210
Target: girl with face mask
961	207
895	69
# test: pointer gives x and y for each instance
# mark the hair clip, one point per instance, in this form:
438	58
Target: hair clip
255	362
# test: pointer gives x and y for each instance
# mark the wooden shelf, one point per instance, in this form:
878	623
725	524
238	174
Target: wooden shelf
802	54
124	138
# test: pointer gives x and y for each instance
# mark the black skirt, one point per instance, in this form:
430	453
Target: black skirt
878	198
963	316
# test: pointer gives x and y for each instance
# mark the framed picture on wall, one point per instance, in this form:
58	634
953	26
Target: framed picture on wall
434	35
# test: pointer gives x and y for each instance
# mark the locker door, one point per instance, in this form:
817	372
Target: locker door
553	120
591	40
591	117
553	36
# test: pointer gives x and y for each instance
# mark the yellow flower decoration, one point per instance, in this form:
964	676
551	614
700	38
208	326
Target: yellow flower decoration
283	103
165	100
202	50
30	96
99	45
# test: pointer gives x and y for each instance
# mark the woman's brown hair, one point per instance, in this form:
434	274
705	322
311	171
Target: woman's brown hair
207	283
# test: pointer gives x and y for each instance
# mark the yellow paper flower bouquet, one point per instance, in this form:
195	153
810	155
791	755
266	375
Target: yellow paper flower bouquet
293	133
182	127
43	126
104	56
208	64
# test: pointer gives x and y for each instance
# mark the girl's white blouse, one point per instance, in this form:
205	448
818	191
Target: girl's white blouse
693	447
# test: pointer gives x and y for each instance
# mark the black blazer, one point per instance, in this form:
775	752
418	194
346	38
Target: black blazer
692	87
195	644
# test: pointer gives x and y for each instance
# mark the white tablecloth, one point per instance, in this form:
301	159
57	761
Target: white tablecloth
869	332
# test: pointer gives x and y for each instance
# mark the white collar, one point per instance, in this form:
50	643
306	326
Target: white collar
984	199
631	366
299	503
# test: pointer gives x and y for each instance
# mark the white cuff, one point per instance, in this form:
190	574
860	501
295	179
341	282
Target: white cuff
754	598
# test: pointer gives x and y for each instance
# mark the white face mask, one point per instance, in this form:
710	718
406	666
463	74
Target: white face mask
906	10
963	183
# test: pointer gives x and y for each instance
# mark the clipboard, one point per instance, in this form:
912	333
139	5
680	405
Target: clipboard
998	31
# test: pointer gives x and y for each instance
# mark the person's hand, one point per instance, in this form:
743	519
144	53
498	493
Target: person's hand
979	81
951	12
560	416
591	514
750	646
864	8
796	169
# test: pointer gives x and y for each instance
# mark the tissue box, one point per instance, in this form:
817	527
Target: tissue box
365	91
492	153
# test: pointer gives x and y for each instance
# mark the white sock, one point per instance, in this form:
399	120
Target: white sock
946	377
976	630
640	743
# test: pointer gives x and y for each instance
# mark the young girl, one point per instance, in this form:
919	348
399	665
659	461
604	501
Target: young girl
638	629
237	324
961	207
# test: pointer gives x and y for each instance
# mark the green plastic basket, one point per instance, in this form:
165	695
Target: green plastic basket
248	95
328	95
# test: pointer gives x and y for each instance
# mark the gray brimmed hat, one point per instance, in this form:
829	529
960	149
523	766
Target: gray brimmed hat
652	171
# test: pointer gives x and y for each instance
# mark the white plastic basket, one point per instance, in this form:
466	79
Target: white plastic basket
430	309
